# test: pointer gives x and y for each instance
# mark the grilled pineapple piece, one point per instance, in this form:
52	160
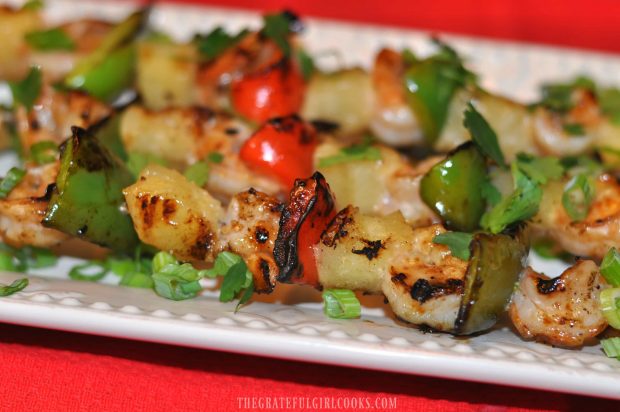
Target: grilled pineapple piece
173	214
14	24
167	74
356	250
344	97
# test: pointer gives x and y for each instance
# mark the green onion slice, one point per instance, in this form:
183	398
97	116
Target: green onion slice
611	347
610	303
12	179
578	196
341	304
162	259
137	280
610	267
89	271
14	287
177	282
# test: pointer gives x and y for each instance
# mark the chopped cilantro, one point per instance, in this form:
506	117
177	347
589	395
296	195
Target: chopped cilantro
52	39
483	135
458	242
26	91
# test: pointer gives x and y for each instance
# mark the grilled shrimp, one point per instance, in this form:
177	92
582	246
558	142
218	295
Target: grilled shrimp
183	136
426	286
393	121
590	237
563	311
22	211
55	113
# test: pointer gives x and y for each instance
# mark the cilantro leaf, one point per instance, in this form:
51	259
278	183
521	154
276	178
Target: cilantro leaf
138	161
277	27
458	242
483	135
52	39
306	64
490	193
574	129
26	91
198	173
558	96
217	41
234	282
237	277
358	152
520	205
33	5
540	169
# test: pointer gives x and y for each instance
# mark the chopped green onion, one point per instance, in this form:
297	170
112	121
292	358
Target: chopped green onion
26	91
14	287
358	152
611	347
177	282
12	179
578	196
137	280
52	39
89	271
483	135
458	242
610	304
44	152
120	267
198	173
341	304
610	267
41	258
162	259
6	262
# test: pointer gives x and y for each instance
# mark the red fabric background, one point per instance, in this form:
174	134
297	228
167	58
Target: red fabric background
48	370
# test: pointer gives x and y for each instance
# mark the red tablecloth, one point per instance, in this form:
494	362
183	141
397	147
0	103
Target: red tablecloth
47	370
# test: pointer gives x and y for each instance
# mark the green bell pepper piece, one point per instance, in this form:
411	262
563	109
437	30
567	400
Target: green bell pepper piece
109	68
87	200
494	267
431	83
452	188
107	131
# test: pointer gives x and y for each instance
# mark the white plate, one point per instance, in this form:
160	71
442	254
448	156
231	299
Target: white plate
301	331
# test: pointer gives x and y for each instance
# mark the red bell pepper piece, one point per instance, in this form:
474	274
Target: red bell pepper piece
273	91
283	148
303	220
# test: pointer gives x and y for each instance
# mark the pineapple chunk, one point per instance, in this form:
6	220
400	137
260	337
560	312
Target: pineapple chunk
174	215
356	249
344	97
167	74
